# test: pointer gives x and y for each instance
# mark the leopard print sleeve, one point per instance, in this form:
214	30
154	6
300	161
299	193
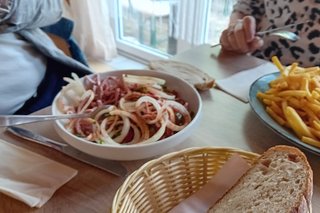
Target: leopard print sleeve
254	8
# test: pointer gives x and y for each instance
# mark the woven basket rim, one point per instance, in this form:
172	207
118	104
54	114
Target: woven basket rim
134	175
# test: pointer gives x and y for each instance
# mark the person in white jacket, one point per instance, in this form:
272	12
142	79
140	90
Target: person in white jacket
31	66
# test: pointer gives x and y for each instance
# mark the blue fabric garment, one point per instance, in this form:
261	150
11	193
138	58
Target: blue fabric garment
58	66
49	87
63	28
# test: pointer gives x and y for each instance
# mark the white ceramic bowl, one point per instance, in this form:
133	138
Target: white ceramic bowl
138	151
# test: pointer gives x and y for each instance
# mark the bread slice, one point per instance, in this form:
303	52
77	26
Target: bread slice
280	181
200	80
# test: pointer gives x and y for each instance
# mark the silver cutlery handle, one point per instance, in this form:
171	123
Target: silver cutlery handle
261	33
23	133
12	120
107	165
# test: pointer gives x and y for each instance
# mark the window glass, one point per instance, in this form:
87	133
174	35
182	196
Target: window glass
167	27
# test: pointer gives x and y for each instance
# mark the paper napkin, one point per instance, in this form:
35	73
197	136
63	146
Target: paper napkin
29	177
217	186
238	85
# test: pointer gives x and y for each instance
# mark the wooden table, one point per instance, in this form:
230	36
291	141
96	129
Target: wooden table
226	122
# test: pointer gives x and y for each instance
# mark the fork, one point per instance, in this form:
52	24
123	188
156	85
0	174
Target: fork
13	120
279	31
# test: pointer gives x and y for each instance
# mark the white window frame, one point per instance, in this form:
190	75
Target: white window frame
143	53
140	53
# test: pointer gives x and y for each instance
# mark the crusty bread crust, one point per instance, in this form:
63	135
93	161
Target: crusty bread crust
303	203
200	80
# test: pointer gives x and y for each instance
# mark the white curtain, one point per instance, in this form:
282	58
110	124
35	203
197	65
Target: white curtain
190	21
92	28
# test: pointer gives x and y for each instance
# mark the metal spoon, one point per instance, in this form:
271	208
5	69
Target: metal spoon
286	35
13	120
280	31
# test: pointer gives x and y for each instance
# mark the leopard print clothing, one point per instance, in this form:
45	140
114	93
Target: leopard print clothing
274	13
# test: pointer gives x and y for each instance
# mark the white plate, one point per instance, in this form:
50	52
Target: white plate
262	84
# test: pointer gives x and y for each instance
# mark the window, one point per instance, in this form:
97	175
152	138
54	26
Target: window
153	29
219	19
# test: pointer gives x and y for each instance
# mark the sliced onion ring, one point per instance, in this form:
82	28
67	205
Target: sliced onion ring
183	111
160	93
143	127
156	105
160	131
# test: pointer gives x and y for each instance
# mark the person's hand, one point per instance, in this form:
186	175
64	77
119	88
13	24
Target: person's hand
241	37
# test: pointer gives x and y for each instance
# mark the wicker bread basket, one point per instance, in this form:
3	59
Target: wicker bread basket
161	184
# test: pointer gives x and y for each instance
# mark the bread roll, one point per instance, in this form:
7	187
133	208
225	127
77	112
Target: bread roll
280	181
200	80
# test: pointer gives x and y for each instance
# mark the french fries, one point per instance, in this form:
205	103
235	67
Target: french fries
293	100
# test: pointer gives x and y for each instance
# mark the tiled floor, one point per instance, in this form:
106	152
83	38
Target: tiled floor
118	63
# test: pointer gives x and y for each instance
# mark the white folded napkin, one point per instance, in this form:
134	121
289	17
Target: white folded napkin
238	85
29	177
217	186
